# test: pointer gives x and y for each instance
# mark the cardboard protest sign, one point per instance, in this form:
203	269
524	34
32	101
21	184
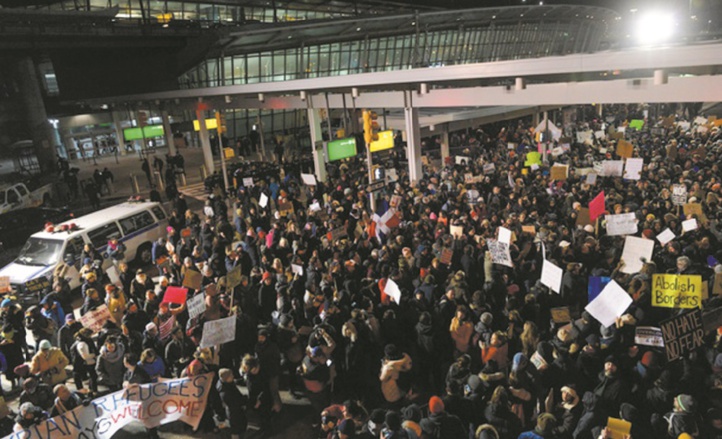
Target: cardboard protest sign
181	399
583	217
666	236
462	159
561	315
591	178
596	206
176	295
196	305
635	250
559	172
308	179
186	233
40	284
499	253
610	304
166	328
192	279
682	334
392	290
4	284
446	255
625	149
285	209
622	224
217	332
648	336
679	195
676	291
489	168
248	181
596	285
337	233
468	178
529	229
551	276
96	318
233	278
618	428
692	210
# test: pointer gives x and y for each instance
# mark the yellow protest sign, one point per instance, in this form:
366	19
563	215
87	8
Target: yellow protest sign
676	291
618	428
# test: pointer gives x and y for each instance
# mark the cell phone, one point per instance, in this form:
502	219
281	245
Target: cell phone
328	363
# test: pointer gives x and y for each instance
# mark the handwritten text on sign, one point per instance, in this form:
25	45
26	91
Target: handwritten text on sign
182	399
676	291
682	334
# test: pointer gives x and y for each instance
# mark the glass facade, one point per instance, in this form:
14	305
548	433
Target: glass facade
427	49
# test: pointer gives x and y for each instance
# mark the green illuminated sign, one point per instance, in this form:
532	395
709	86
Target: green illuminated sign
150	132
342	149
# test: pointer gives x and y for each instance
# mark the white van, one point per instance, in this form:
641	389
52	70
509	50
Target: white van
136	224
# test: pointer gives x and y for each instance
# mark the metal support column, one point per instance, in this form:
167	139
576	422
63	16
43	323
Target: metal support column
118	132
205	141
319	163
444	144
168	133
413	139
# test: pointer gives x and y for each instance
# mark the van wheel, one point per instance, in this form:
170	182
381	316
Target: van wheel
144	255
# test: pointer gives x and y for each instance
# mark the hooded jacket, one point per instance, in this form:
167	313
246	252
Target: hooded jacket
591	417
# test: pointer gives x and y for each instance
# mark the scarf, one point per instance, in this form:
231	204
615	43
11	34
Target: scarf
113	356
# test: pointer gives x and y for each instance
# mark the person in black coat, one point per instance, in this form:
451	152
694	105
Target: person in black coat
234	403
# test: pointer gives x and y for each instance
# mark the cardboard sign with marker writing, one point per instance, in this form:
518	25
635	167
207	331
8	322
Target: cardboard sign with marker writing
682	334
691	209
559	172
583	217
717	287
4	284
529	229
336	234
625	149
561	315
233	278
37	285
192	279
618	428
446	255
285	209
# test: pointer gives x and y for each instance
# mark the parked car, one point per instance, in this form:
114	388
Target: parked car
16	226
18	196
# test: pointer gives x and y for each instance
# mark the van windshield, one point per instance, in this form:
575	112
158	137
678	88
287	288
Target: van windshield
39	251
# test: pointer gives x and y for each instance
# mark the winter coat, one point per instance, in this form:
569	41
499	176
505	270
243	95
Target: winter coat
51	366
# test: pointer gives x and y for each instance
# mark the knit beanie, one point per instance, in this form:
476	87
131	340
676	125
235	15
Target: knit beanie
687	403
436	405
648	359
393	420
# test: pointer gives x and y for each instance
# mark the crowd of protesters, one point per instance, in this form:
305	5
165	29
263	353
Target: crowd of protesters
468	350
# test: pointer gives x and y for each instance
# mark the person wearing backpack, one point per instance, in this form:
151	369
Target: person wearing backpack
83	354
42	328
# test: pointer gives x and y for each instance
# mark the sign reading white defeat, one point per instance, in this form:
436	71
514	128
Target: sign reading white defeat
609	304
217	332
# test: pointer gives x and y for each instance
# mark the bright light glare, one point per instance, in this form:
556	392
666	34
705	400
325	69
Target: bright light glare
655	27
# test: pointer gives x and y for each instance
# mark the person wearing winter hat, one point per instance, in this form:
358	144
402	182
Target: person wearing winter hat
50	364
411	419
683	417
567	412
545	424
447	425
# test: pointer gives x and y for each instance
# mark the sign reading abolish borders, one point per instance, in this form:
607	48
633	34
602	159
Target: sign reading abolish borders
182	399
682	334
676	291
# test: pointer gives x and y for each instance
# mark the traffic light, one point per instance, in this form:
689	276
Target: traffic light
220	123
371	126
142	119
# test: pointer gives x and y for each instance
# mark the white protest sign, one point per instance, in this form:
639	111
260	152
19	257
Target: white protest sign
217	332
623	224
181	399
297	269
613	168
609	304
551	276
633	168
460	158
636	249
689	225
591	179
96	318
584	137
679	195
392	290
248	181
600	134
504	235
666	236
648	336
489	168
315	207
457	231
263	202
309	179
196	305
499	252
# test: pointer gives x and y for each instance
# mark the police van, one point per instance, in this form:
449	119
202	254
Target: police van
135	224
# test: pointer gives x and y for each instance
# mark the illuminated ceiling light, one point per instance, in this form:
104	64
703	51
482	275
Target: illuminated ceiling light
177	101
261	98
228	99
200	99
660	77
655	27
354	92
303	95
423	88
520	84
358	29
432	127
